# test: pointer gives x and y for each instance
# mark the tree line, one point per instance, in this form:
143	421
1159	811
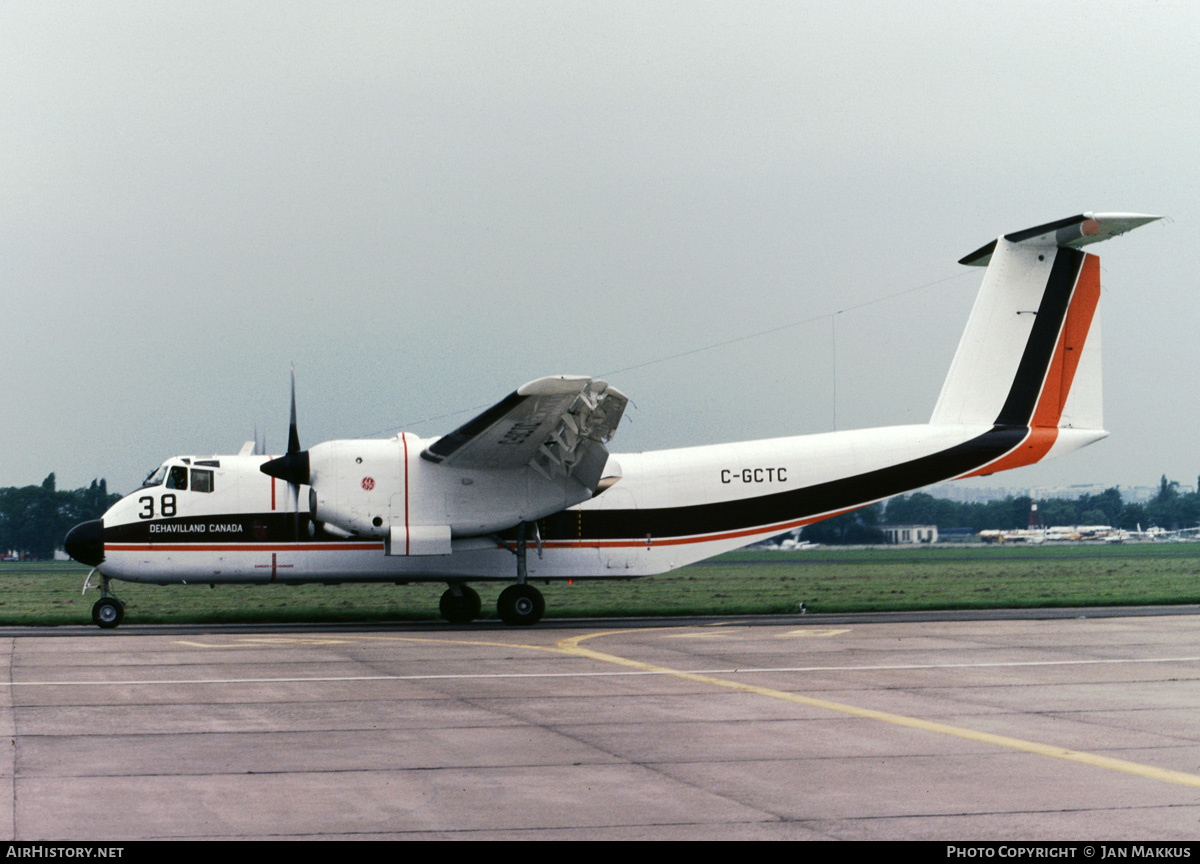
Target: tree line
1169	508
35	519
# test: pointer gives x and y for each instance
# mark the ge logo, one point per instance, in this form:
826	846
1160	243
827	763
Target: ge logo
368	483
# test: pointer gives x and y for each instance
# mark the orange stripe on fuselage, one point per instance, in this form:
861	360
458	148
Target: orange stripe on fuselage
1056	387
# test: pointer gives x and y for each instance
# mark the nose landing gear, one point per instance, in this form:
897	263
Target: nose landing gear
108	611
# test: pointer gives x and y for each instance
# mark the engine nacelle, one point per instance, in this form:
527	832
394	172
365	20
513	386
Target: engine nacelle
352	484
384	489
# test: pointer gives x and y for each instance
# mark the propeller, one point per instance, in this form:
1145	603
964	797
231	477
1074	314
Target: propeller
292	467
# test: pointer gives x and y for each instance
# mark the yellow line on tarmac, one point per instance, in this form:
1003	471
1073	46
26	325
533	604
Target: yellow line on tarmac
812	632
572	646
701	635
291	642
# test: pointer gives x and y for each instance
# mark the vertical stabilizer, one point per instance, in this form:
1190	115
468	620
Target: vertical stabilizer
1030	354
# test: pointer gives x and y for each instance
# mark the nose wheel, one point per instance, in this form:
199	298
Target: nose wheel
107	613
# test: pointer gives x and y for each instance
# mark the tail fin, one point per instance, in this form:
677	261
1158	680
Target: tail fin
1030	354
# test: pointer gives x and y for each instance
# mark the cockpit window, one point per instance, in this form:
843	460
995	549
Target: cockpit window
156	476
177	477
202	481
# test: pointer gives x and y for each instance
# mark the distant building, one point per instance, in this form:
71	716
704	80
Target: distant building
956	535
964	493
901	534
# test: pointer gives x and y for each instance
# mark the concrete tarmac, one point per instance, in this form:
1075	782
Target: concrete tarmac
1071	728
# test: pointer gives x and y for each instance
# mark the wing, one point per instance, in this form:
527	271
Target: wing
556	426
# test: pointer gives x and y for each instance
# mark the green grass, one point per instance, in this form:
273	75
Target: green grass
740	583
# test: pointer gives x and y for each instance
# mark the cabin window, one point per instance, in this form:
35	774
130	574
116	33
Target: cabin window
177	477
202	481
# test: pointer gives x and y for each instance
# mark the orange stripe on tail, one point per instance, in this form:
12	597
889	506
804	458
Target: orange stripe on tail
1057	385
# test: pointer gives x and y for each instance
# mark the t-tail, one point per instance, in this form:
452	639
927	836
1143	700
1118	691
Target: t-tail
1030	355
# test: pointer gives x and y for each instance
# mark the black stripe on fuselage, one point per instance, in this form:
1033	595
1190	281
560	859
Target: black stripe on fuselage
781	507
249	528
1043	339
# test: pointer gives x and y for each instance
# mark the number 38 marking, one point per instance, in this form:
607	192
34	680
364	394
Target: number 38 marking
167	506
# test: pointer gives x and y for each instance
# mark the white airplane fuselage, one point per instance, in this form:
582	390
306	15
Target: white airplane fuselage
667	509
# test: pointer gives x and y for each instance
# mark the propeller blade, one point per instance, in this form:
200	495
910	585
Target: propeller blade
292	467
293	435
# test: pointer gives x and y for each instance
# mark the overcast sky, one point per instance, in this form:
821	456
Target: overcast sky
424	205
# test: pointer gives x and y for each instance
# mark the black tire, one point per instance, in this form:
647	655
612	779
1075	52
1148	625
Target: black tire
521	605
107	613
476	603
460	609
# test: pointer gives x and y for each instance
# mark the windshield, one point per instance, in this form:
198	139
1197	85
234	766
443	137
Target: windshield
156	476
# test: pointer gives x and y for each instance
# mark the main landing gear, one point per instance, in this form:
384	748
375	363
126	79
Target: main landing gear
522	605
519	605
460	604
108	611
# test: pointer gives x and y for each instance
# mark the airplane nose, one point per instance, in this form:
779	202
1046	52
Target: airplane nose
85	542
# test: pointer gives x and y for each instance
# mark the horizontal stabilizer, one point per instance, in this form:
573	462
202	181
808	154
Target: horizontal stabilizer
1073	232
1030	354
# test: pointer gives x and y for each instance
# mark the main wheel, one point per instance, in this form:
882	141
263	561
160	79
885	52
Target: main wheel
107	613
521	605
460	608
